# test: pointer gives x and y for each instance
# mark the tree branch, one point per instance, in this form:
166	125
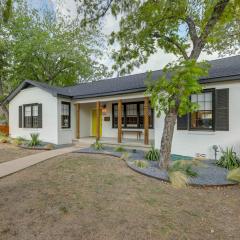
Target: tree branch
214	18
192	29
172	41
101	14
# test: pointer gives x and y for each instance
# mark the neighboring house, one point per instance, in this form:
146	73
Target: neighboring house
108	108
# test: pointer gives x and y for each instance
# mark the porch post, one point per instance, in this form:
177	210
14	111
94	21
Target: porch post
146	120
98	120
77	106
119	121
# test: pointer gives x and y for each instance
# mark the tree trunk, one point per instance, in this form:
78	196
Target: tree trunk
166	142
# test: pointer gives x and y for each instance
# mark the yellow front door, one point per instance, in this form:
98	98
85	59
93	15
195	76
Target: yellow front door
94	123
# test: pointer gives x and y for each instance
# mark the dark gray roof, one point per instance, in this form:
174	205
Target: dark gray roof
225	69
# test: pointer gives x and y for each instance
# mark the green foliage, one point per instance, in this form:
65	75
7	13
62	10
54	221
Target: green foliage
120	149
173	92
228	159
153	154
234	175
18	141
5	10
38	46
35	141
183	166
174	26
141	163
97	145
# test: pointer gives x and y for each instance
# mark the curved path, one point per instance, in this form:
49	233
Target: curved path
16	165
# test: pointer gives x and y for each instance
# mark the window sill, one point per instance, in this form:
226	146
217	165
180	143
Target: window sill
201	132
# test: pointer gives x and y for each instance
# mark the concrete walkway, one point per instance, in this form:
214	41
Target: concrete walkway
16	165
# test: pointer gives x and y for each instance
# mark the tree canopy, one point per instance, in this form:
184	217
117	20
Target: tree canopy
48	48
182	27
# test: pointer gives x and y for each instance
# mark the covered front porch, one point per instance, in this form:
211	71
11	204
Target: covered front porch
125	120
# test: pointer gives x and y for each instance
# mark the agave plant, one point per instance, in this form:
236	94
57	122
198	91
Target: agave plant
35	141
228	159
153	154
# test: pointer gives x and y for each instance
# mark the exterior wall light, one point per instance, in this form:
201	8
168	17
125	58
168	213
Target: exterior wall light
104	109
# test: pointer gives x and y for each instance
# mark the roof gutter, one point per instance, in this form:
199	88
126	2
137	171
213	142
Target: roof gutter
137	90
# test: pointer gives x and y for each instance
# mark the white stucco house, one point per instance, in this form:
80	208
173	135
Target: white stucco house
117	109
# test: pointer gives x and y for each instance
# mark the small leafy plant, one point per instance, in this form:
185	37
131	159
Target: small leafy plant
97	145
153	154
141	163
18	141
120	149
125	156
35	141
228	159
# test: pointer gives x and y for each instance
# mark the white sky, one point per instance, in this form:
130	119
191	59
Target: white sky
156	61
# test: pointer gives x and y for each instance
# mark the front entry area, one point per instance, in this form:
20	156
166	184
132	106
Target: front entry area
94	123
116	120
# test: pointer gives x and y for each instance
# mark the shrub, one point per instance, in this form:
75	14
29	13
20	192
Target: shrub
228	159
49	146
34	140
97	145
153	154
180	171
183	166
120	149
178	179
4	138
141	163
234	175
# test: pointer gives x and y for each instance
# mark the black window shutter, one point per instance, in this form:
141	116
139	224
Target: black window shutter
20	122
39	115
222	110
182	122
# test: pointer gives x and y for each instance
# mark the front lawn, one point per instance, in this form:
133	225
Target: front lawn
10	152
82	196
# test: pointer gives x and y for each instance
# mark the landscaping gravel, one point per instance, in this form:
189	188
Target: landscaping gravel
208	173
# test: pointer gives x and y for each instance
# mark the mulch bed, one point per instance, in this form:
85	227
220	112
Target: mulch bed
209	174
